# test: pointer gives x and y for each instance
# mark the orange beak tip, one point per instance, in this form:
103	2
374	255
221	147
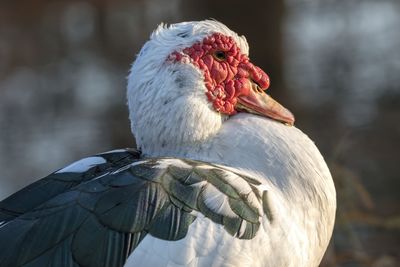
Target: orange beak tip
262	104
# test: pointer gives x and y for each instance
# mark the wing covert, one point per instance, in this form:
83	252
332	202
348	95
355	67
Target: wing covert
101	217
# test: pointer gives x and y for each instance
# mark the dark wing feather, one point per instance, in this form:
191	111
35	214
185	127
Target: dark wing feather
98	217
57	183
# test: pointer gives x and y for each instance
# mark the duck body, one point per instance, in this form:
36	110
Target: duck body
301	197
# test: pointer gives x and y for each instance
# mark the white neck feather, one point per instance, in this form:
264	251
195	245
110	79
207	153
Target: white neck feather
172	111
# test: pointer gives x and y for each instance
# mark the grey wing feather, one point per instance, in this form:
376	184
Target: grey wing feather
98	217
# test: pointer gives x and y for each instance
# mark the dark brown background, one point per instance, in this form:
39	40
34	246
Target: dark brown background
335	64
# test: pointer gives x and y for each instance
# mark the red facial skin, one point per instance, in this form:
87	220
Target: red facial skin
227	72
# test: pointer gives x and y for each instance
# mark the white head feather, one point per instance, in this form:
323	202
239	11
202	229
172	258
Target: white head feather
167	102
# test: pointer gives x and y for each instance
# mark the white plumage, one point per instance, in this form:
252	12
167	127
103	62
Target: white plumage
300	188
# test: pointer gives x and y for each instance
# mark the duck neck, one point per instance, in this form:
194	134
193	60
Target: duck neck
172	116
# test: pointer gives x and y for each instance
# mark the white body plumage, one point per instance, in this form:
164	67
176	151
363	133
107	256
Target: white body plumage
301	194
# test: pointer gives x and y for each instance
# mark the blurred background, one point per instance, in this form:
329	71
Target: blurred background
335	64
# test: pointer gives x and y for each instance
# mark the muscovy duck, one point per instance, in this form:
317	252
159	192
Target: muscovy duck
222	178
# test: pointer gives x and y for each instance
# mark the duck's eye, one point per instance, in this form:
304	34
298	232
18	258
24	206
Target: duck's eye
220	55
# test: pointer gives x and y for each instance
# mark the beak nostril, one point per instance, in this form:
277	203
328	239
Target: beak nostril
256	86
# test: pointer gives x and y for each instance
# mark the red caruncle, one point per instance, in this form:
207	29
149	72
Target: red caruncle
227	72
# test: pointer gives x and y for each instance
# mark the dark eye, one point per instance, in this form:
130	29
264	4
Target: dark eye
220	55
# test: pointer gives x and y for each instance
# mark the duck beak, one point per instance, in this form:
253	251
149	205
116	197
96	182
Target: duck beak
258	102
